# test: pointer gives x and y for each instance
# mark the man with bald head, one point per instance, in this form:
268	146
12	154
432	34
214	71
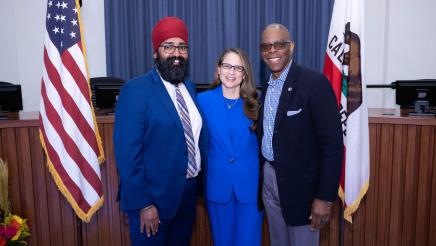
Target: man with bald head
301	144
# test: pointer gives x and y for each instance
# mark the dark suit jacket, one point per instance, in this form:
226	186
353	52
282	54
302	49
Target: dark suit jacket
150	146
307	143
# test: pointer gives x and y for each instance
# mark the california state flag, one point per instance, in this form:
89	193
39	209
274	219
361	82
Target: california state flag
344	67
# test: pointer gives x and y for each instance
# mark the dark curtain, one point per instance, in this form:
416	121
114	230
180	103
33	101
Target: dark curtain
213	25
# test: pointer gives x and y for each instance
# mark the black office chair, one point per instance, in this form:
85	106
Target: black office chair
10	99
102	80
5	83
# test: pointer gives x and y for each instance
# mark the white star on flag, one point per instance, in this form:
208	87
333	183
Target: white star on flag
73	34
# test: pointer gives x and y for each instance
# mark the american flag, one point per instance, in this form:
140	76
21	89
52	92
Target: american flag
68	129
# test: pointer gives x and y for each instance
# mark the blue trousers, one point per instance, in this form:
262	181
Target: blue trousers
234	223
174	231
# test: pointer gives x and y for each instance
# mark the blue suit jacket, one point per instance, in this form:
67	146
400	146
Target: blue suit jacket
150	146
229	167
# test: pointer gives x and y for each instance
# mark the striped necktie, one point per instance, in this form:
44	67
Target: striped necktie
187	128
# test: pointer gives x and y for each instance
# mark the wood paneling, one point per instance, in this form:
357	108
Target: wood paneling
432	217
399	208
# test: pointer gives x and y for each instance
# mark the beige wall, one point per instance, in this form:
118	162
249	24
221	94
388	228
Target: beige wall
22	25
400	44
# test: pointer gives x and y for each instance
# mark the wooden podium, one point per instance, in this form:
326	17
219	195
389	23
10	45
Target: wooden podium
399	208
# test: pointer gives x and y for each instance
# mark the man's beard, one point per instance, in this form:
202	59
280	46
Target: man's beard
174	74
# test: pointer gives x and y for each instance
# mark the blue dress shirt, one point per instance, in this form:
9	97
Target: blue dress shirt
270	109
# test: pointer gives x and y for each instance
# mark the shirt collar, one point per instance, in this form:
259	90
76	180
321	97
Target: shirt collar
281	79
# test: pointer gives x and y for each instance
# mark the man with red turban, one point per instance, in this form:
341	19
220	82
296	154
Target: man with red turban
159	143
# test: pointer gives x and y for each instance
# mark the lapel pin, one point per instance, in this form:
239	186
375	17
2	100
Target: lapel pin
289	88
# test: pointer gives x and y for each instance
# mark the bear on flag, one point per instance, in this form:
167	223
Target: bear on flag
344	67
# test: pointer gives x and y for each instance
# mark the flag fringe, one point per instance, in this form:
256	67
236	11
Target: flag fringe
350	209
101	158
86	217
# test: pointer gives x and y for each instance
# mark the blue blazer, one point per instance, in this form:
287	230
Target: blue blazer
229	168
150	146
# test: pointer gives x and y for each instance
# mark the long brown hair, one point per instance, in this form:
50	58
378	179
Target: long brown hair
247	90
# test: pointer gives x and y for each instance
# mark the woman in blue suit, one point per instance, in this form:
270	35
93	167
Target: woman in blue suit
230	109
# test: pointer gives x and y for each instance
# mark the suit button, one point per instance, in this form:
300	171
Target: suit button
232	160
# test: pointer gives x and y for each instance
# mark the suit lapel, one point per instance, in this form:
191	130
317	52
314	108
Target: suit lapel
242	132
165	98
192	92
288	91
261	112
221	119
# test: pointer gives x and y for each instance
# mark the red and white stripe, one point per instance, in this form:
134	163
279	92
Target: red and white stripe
68	130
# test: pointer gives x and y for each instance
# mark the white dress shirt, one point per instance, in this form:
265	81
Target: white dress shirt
194	116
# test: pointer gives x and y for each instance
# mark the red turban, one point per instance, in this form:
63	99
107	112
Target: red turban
168	27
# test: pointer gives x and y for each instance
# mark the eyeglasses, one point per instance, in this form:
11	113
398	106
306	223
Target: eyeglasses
170	48
279	45
229	67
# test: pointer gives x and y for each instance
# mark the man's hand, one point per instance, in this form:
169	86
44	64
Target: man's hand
320	215
149	217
